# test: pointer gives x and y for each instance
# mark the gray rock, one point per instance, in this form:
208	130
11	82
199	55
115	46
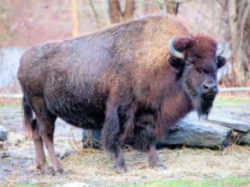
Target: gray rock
4	155
3	133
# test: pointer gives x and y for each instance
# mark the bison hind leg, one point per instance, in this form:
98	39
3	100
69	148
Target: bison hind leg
44	133
38	143
46	130
31	129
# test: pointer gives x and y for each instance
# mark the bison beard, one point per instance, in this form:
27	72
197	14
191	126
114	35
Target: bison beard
113	80
201	102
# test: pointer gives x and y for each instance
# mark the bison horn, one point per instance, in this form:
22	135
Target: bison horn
220	49
172	50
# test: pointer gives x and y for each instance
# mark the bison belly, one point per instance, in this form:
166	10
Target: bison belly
81	111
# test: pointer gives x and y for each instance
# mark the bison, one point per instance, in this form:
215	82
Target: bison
112	79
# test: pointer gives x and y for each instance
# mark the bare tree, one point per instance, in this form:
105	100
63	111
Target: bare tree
95	13
172	6
74	18
129	9
238	19
5	26
115	11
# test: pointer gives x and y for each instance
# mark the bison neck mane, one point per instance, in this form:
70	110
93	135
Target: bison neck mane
160	89
175	106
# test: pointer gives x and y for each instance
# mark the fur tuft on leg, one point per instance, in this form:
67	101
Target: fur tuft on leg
28	121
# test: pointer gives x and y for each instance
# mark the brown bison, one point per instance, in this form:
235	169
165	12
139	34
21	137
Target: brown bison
111	79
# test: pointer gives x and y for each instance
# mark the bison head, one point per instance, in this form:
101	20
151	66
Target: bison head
196	60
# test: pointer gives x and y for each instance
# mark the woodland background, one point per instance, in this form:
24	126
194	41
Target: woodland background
30	22
24	23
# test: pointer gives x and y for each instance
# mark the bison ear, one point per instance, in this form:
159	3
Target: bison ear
221	61
178	65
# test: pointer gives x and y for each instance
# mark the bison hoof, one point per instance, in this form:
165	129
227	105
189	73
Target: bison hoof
60	171
120	169
52	171
158	164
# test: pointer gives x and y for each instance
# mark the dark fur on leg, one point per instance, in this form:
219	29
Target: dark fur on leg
28	116
38	142
143	134
110	132
153	158
143	138
110	136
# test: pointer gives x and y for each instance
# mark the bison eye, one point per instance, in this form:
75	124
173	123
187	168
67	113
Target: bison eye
205	71
202	70
199	70
197	56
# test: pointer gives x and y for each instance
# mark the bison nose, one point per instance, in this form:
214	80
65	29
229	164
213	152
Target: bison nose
209	88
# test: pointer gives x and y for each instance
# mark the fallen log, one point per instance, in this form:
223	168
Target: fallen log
241	129
198	133
232	124
217	132
245	139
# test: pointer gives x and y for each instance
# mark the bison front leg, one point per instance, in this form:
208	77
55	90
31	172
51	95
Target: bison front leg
153	158
110	136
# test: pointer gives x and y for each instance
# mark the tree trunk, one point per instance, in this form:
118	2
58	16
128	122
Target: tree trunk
74	18
172	7
129	10
115	12
238	12
246	47
95	13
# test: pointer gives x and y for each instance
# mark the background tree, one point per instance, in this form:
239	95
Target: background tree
237	17
115	11
97	19
74	18
172	6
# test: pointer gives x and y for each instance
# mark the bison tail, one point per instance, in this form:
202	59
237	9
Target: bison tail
28	118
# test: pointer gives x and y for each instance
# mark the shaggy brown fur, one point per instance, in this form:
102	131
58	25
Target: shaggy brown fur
112	78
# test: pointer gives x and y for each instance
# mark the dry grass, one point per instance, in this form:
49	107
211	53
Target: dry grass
182	163
8	102
95	167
